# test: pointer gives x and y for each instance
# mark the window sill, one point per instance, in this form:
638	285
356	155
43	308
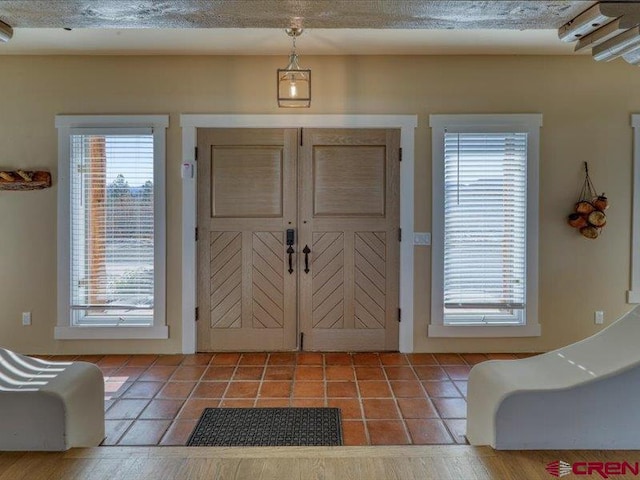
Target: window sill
111	333
485	331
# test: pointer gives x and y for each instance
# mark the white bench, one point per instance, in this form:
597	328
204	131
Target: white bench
49	405
583	396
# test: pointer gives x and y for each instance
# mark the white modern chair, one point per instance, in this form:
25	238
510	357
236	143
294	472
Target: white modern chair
583	396
49	405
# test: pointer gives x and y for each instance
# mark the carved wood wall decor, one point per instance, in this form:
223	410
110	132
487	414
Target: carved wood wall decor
21	180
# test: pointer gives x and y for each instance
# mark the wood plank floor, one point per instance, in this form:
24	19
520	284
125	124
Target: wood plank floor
392	462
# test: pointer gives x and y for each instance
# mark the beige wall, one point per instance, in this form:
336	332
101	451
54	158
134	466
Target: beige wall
586	108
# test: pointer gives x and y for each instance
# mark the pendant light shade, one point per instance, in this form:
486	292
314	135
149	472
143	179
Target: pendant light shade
294	83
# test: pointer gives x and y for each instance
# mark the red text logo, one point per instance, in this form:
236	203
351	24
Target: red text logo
605	470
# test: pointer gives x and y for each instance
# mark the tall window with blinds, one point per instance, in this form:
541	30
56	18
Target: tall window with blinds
485	181
485	227
112	228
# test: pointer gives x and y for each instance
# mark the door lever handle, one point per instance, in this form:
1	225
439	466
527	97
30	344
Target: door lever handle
306	252
290	252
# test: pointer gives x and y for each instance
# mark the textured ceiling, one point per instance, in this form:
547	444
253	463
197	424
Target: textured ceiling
370	14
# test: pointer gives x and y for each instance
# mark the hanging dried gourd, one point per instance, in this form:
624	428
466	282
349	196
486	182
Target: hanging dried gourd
601	203
589	217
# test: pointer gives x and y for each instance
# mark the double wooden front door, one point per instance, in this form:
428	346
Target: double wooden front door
336	286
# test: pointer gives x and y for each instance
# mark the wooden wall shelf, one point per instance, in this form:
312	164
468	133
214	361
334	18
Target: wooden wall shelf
17	182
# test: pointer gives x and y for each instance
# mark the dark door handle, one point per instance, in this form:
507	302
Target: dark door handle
306	252
290	252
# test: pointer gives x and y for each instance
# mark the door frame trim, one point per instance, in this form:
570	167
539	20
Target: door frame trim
191	122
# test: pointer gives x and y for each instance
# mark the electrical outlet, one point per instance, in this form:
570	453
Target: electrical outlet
599	317
26	318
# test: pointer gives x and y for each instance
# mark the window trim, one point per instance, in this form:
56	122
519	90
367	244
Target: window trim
65	330
633	295
529	123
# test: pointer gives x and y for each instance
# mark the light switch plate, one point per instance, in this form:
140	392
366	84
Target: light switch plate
422	238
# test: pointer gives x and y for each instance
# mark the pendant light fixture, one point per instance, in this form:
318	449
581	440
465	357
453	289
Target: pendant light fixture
294	83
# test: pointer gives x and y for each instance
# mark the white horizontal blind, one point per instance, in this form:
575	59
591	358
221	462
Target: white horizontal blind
112	228
485	215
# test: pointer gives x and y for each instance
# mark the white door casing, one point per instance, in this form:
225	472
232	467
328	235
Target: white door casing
191	122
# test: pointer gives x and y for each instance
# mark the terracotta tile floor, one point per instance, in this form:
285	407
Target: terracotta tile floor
385	398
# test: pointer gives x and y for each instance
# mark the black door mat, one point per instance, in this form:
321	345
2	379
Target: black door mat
267	427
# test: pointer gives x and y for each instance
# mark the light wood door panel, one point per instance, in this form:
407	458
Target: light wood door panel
349	180
238	169
370	280
246	200
327	280
349	217
225	269
268	280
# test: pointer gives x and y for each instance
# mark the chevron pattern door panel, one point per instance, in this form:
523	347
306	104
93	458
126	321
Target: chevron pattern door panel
370	279
328	280
226	280
268	280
